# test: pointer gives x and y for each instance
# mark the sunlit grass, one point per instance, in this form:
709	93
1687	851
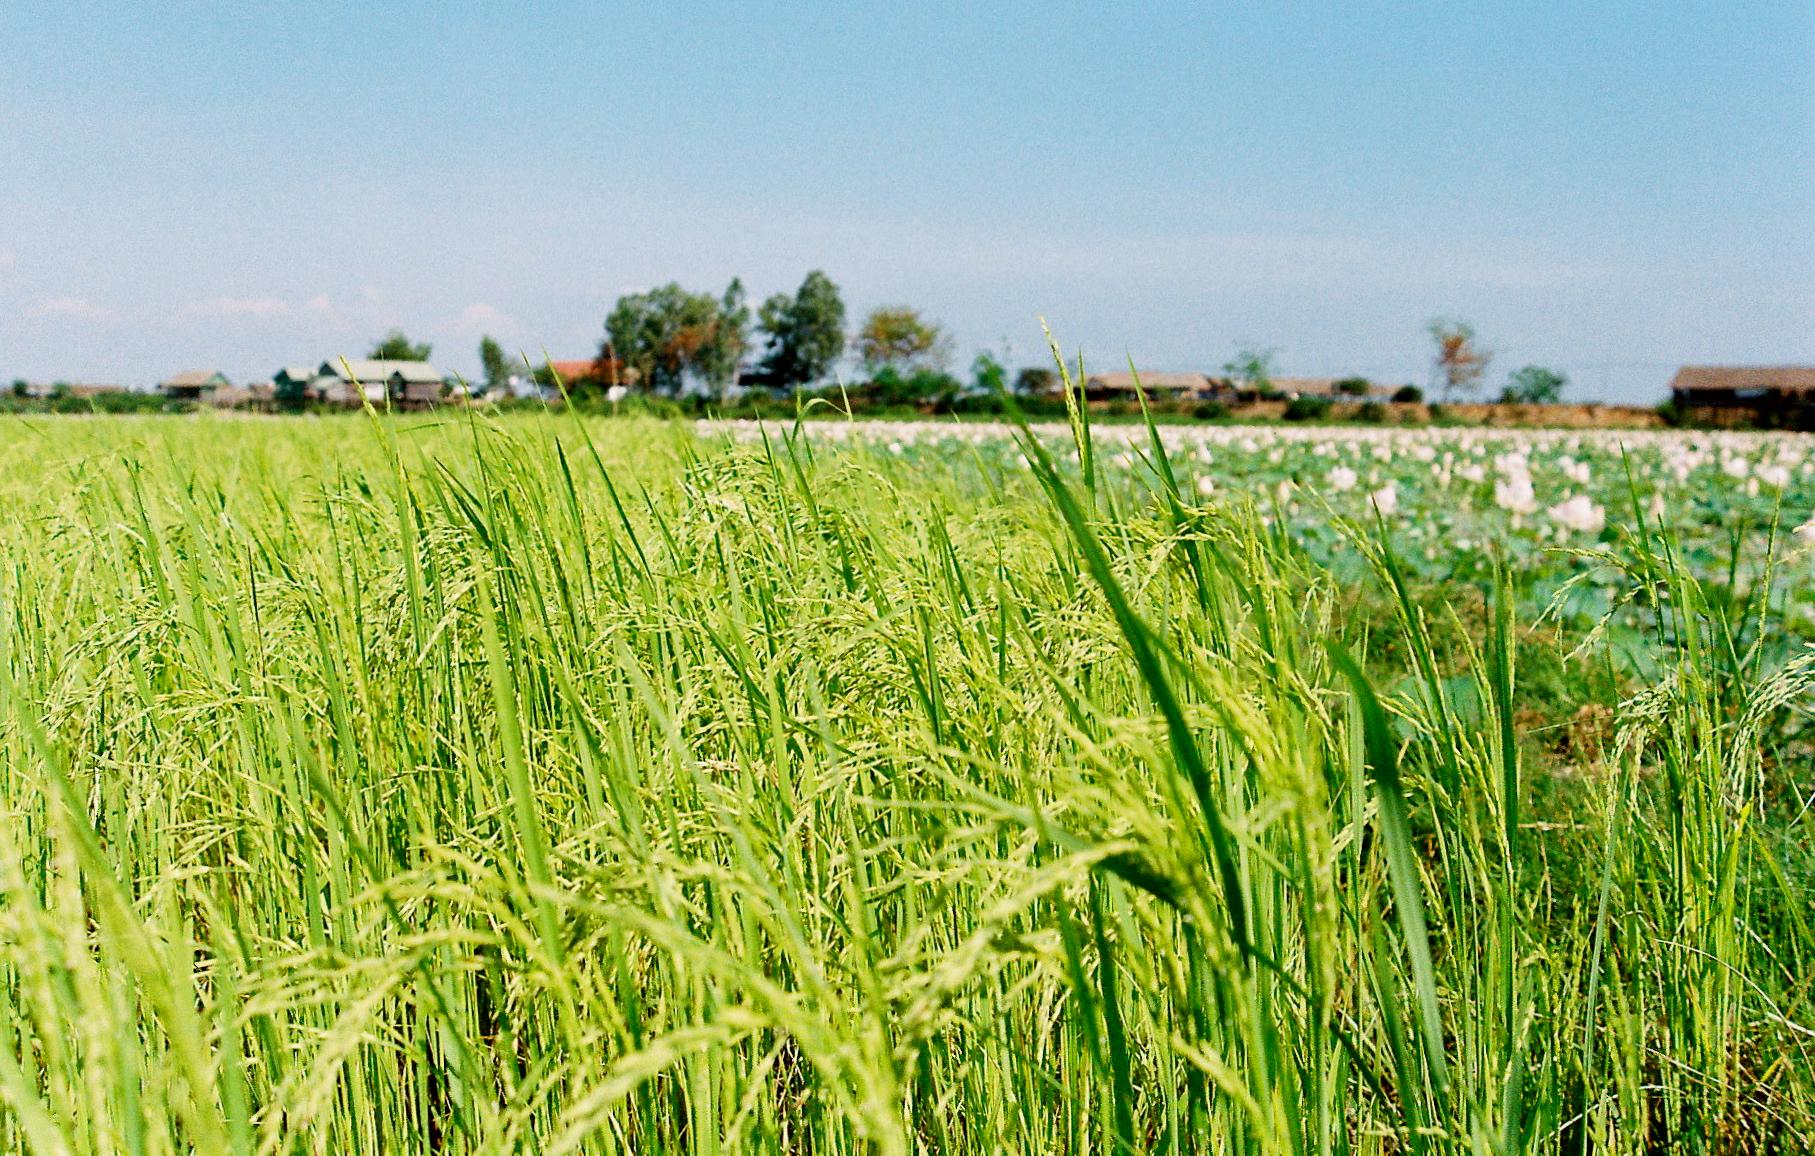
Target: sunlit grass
481	786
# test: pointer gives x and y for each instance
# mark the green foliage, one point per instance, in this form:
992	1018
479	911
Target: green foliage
1354	386
494	364
1252	369
1210	410
1534	385
1408	393
988	375
1036	381
1370	411
805	332
667	335
1307	409
121	401
534	783
897	337
394	346
918	386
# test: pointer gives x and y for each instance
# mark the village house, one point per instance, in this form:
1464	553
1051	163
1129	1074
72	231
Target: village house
1123	386
1334	388
1725	394
193	384
573	372
405	384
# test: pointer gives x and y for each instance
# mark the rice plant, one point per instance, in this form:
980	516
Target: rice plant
535	784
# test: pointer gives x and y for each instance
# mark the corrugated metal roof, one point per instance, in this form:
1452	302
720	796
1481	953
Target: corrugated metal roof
1790	378
367	370
195	379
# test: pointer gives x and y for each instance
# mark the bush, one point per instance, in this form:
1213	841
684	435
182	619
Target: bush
1307	409
1036	380
1371	411
1408	393
1354	386
1671	413
891	387
1209	411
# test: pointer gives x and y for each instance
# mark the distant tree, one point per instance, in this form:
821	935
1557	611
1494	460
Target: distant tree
495	364
1253	369
1459	363
804	333
1408	393
1036	380
668	334
896	337
1534	385
988	375
21	387
1354	386
726	340
394	346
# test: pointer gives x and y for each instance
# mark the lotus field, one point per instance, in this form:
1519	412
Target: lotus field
539	783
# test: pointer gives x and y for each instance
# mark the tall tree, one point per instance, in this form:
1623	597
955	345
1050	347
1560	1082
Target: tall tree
1253	368
1459	362
897	337
725	341
494	363
1534	385
988	375
394	346
1036	381
668	334
805	332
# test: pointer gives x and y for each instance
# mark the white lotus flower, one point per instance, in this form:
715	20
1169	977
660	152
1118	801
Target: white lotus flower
1515	495
1805	533
1385	499
1206	484
1579	514
1341	478
1473	472
1736	467
1775	476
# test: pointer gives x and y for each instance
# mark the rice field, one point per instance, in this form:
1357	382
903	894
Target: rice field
545	784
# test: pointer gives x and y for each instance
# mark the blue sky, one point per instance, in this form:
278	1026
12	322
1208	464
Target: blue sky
1609	188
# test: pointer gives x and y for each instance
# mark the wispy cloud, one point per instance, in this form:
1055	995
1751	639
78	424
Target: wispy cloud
74	308
480	318
260	307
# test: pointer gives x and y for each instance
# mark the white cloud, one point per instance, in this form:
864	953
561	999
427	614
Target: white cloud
320	303
78	308
480	318
237	307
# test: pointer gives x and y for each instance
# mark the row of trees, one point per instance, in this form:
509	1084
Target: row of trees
1458	369
670	339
